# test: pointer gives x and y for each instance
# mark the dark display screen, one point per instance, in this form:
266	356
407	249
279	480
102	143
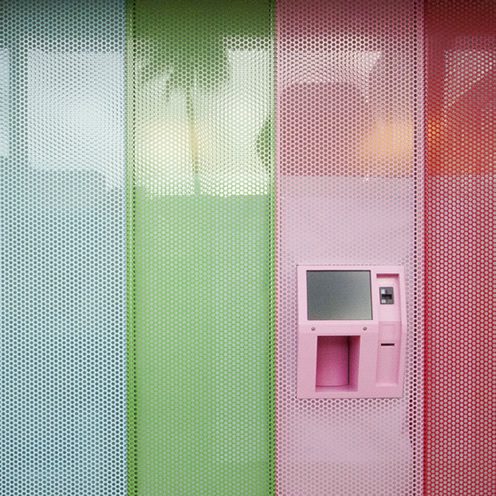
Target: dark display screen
339	295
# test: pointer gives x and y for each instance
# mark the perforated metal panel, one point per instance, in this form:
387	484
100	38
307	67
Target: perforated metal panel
201	250
201	199
62	256
460	247
349	192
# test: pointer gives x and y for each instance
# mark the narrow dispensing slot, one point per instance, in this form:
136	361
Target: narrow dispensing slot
388	358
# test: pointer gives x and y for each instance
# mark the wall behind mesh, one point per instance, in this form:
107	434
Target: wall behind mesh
62	258
349	192
201	203
460	212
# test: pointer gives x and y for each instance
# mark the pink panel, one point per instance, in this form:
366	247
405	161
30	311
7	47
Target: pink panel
460	247
349	192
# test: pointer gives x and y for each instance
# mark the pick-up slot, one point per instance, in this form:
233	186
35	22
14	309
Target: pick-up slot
337	363
388	361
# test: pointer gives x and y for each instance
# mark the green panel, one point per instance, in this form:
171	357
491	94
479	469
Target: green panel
200	248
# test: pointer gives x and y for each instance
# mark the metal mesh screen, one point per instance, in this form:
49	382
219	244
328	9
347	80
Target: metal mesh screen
62	255
460	246
349	192
201	202
201	231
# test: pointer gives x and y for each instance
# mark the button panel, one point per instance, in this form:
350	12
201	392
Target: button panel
387	295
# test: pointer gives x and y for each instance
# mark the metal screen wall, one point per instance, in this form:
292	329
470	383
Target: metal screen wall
349	192
207	259
201	248
460	246
62	255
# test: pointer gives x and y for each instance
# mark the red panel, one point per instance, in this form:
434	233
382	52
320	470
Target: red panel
460	194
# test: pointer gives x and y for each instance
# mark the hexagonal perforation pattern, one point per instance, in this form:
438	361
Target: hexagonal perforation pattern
349	192
62	255
460	211
203	243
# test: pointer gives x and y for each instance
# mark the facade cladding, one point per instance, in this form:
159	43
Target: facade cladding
201	254
349	192
63	248
222	143
460	230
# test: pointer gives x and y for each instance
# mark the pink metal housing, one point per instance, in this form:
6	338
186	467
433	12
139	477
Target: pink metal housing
353	358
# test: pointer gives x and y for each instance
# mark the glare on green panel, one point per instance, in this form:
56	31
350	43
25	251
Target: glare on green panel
200	168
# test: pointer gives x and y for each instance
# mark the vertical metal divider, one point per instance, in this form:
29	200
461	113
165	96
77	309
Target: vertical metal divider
272	341
417	431
276	238
132	407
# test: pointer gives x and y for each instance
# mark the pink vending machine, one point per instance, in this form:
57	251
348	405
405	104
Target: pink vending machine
351	331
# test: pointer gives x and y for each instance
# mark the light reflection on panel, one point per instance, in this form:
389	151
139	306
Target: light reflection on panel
202	251
227	123
73	125
460	50
349	192
62	259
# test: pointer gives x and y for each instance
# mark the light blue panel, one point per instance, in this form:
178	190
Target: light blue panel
62	253
4	102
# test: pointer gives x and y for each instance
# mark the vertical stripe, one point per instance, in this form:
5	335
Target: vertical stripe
62	255
350	175
460	192
200	203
